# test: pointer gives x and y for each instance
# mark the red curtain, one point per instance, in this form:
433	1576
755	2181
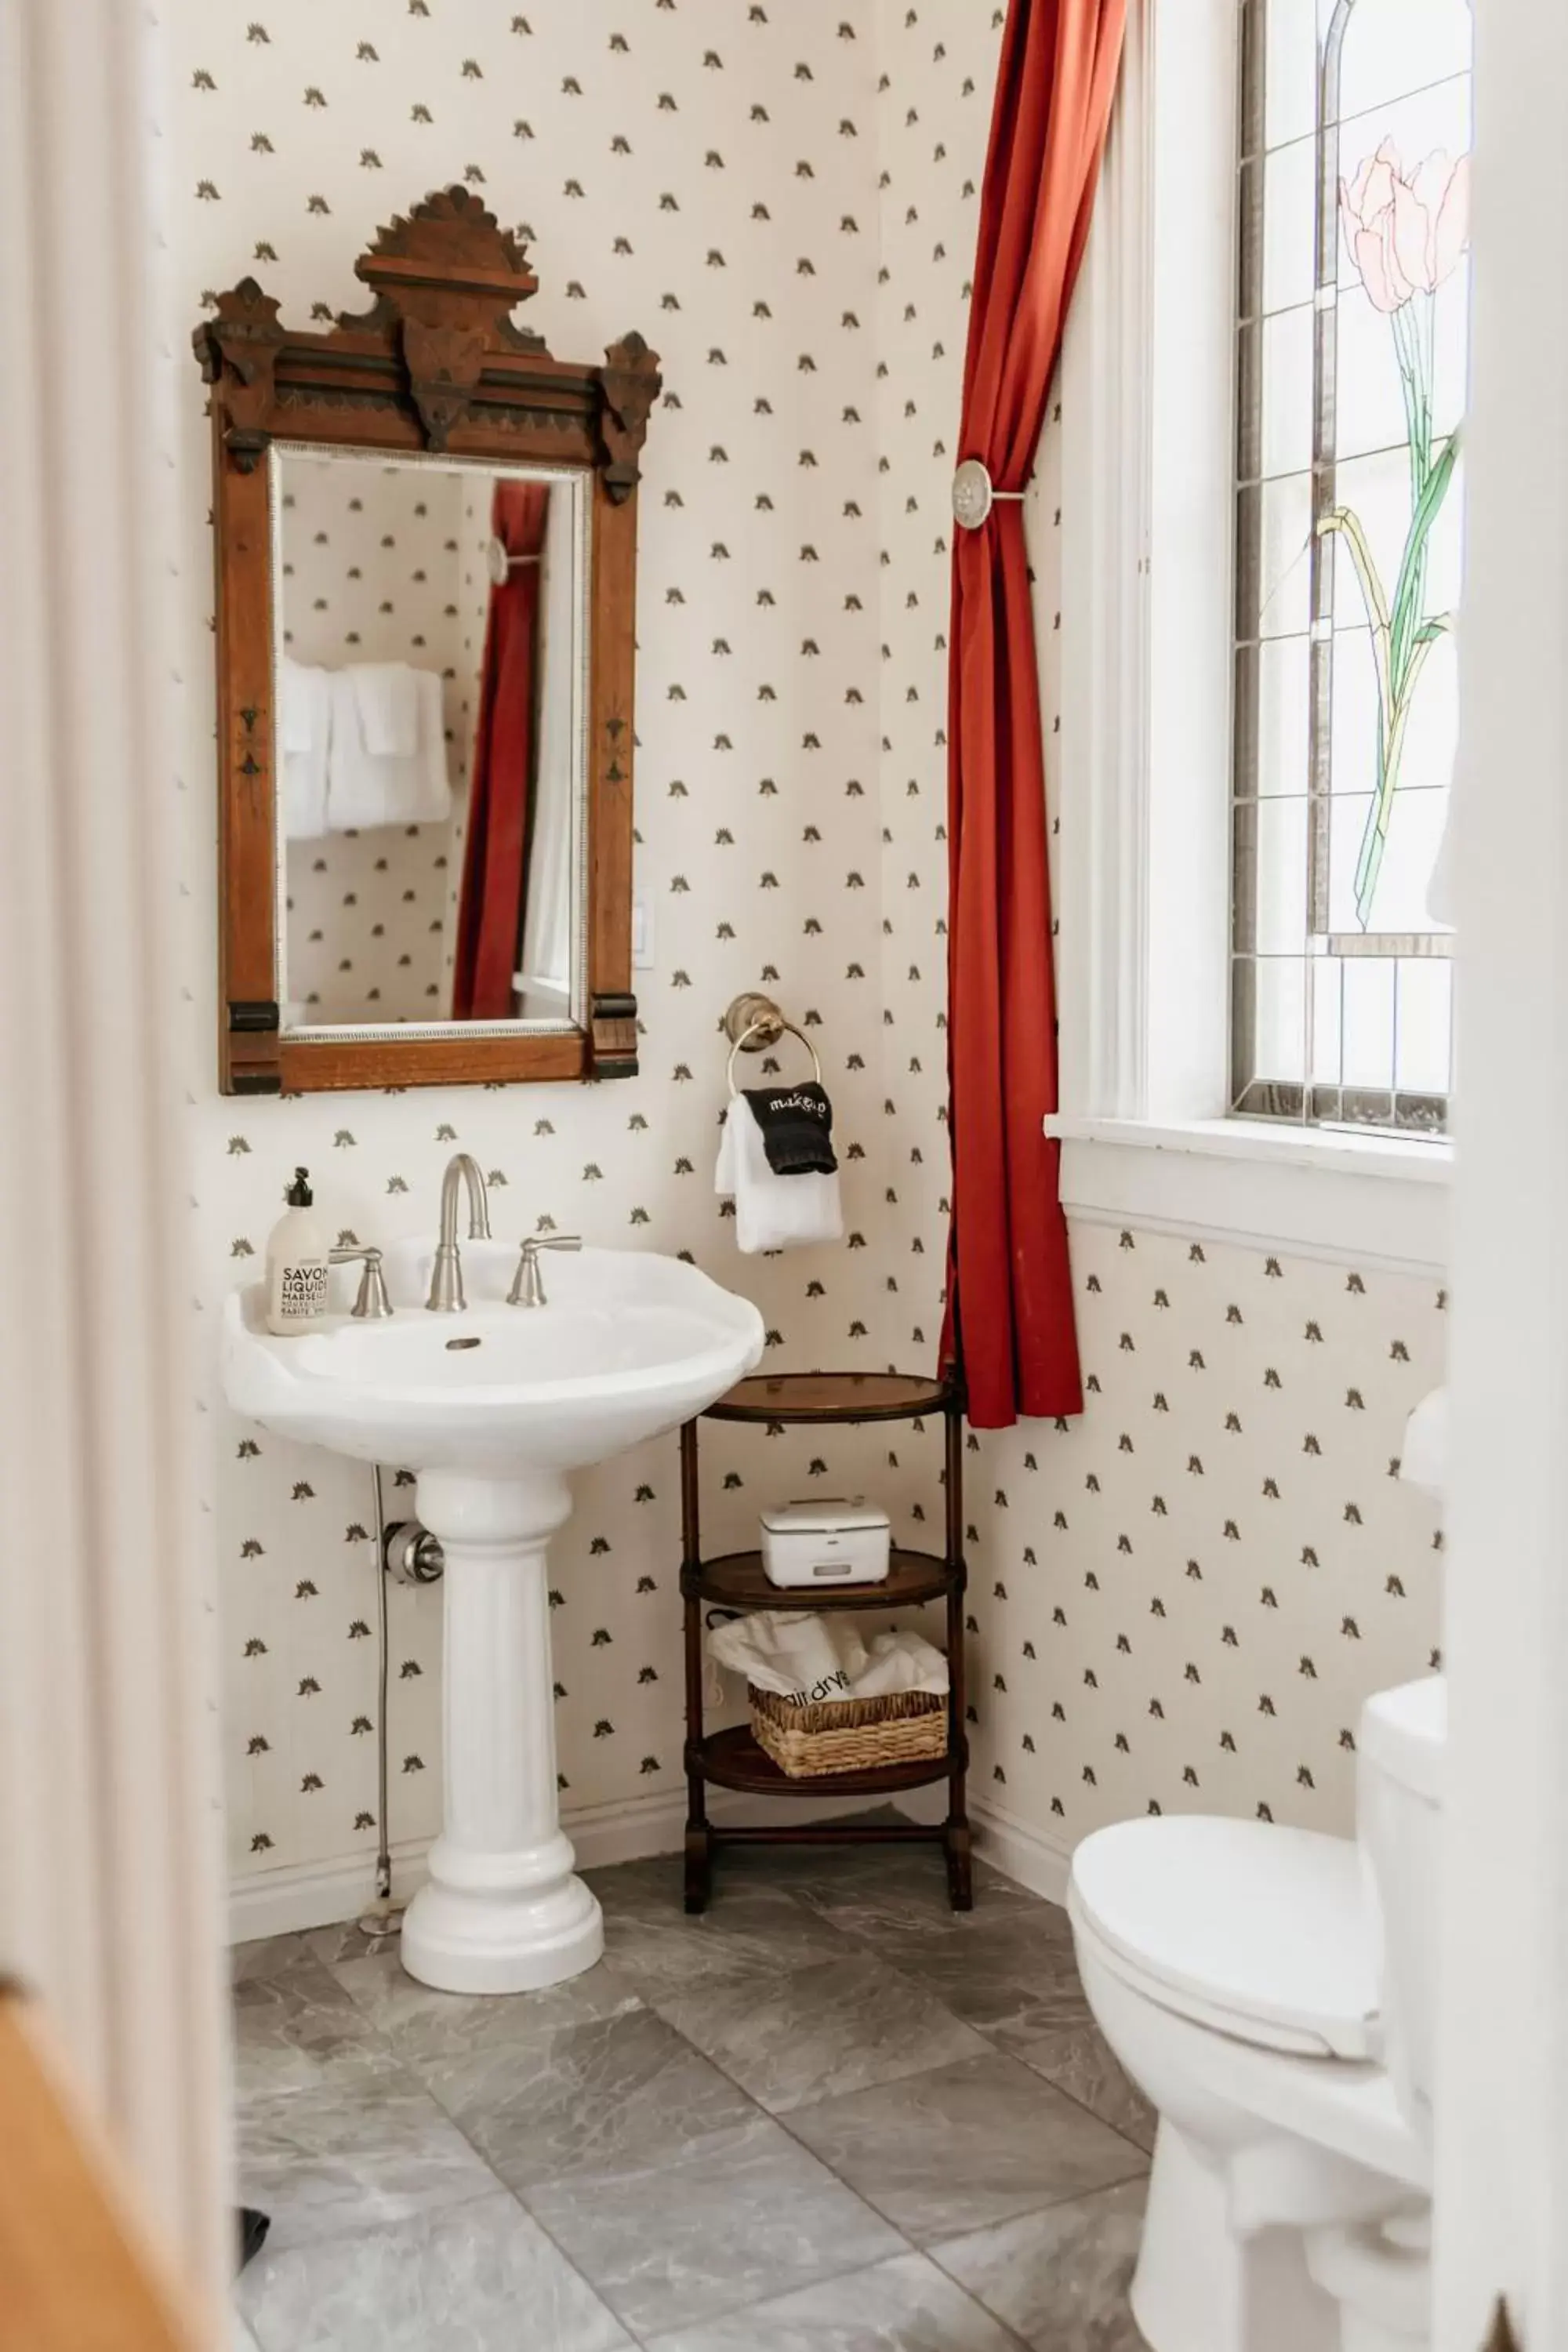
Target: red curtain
500	790
1010	1318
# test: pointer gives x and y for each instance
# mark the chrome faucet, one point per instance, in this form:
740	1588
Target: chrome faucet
528	1283
447	1274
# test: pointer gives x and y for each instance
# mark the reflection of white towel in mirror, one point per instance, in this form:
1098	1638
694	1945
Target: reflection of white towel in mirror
545	979
303	730
366	787
387	696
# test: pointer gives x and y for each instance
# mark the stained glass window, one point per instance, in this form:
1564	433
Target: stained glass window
1356	135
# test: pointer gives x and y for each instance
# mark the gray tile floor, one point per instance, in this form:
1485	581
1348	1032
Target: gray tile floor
829	2117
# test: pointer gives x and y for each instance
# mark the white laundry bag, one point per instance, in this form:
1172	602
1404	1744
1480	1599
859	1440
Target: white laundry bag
814	1661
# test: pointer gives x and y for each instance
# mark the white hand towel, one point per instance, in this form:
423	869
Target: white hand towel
387	694
431	783
772	1212
367	788
304	727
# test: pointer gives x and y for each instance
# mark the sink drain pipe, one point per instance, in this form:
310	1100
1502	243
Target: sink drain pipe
412	1554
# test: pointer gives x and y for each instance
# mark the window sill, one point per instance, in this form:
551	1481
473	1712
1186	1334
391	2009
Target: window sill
1378	1201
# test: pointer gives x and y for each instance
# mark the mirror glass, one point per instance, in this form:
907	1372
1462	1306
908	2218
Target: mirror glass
430	691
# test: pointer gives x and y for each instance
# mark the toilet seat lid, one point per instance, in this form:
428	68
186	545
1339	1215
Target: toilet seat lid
1259	1928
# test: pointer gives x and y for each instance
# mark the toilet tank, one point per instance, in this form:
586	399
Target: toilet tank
1402	1736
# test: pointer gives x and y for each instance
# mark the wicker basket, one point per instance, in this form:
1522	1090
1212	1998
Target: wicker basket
848	1734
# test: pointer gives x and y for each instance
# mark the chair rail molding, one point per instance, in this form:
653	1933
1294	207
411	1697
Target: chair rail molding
109	1808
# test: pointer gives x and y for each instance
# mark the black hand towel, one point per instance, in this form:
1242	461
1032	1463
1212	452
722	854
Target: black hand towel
797	1129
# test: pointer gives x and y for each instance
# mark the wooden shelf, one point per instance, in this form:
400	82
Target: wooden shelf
733	1759
738	1580
833	1396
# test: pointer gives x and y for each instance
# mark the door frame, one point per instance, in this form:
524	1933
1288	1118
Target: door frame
1502	2084
110	1806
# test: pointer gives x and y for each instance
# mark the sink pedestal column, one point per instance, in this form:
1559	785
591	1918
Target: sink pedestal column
502	1911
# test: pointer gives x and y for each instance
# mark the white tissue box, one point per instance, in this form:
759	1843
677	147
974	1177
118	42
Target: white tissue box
830	1540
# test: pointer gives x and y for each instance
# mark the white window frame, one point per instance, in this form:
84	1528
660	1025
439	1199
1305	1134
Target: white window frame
1143	879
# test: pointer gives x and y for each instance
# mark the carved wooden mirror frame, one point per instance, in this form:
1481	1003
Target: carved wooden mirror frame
435	364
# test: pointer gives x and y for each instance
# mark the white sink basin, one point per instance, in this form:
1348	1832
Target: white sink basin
491	1407
629	1345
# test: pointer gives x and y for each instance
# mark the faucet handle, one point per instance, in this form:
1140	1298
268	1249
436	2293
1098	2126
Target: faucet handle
527	1285
372	1302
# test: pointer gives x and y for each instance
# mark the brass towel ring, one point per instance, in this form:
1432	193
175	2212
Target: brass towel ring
782	1025
758	1017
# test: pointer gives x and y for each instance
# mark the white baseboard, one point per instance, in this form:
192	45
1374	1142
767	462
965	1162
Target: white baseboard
302	1895
298	1895
1014	1846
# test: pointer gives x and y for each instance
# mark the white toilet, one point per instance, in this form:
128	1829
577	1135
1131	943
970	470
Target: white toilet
1269	1992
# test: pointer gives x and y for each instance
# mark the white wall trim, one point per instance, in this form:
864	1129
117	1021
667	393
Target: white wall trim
305	1895
1020	1851
1502	2084
291	1900
1188	355
1102	943
302	1895
1148	371
1375	1200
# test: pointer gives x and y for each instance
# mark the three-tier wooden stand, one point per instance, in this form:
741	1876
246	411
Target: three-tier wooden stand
731	1758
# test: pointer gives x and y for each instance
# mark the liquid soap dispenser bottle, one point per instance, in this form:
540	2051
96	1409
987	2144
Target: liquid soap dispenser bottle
297	1264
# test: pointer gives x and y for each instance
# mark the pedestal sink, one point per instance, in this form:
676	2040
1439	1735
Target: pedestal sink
493	1408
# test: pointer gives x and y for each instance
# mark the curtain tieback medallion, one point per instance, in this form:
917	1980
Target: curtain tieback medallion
974	495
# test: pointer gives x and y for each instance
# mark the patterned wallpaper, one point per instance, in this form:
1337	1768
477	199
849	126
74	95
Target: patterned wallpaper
784	199
374	568
704	173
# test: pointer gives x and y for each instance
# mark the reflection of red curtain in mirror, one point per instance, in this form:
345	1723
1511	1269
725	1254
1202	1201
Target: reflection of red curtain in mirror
501	790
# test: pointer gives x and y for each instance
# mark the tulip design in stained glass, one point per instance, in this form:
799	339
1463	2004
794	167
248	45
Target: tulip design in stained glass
1354	335
1405	229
